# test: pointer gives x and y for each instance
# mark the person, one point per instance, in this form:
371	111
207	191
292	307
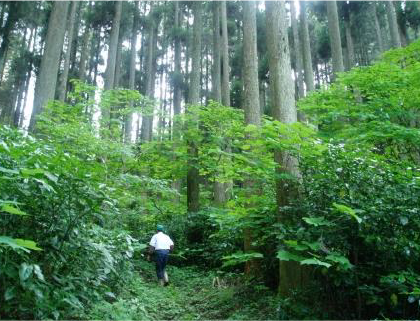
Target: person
161	244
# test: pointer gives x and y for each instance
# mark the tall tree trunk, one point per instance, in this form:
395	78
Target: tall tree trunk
306	45
284	110
225	55
47	79
377	27
349	38
193	185
393	25
296	41
84	53
335	39
117	79
62	90
113	47
219	187
177	62
251	107
147	120
12	18
131	75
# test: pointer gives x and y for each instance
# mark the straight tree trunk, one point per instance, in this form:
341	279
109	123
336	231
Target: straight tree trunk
147	120
349	40
193	186
393	25
47	79
131	75
219	187
113	47
284	110
296	41
12	18
251	107
177	62
306	45
62	90
225	55
335	39
377	27
117	79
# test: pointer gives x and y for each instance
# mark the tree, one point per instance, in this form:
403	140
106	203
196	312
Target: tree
113	47
335	38
225	56
297	47
284	110
132	72
393	25
251	105
306	46
47	79
70	35
379	39
193	185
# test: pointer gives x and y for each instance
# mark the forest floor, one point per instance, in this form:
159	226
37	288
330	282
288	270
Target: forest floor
190	295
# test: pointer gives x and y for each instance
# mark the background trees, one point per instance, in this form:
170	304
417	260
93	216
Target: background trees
185	113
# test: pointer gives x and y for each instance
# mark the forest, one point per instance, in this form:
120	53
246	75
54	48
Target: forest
277	143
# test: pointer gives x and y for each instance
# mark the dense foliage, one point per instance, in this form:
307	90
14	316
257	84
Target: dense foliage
78	206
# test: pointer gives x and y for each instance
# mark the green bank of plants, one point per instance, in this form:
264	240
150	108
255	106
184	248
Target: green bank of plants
78	205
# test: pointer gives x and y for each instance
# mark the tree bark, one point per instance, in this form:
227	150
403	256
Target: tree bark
393	25
225	55
12	18
296	42
284	110
377	27
306	45
251	107
193	186
132	75
47	79
335	39
62	90
113	47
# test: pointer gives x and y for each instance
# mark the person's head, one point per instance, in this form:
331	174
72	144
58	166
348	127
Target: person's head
159	228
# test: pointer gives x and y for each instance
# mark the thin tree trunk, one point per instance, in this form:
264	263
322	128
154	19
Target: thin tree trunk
349	40
393	25
306	45
62	90
132	75
251	107
377	27
335	39
296	41
193	186
47	79
118	64
225	56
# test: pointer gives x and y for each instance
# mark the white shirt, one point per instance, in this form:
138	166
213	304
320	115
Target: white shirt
161	241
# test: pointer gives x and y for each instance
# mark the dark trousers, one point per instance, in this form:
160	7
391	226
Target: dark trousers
161	257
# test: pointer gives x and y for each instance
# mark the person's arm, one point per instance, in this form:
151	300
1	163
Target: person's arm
151	250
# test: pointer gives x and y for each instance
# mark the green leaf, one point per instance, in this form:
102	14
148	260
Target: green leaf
8	171
27	244
10	293
12	210
25	271
12	243
141	247
340	259
317	221
31	171
347	210
315	261
287	256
